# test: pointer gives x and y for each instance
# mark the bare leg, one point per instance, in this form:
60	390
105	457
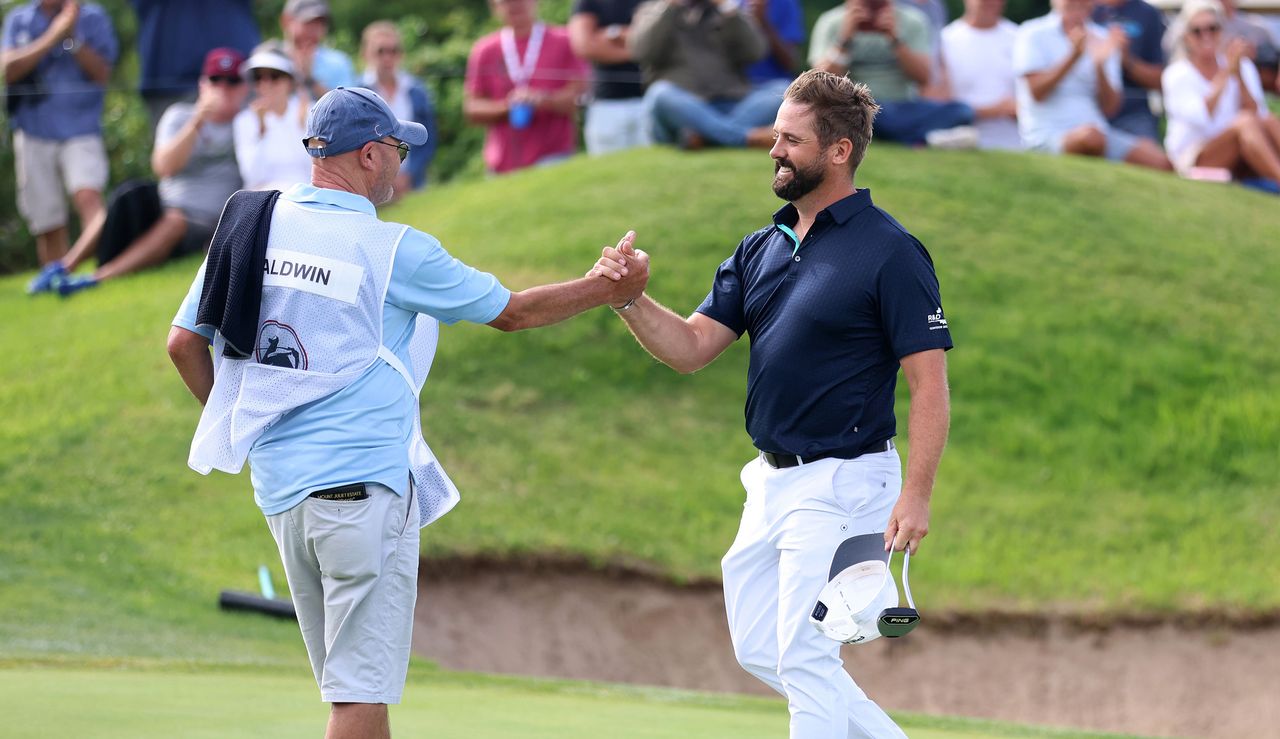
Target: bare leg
88	204
358	721
87	244
1085	141
1148	154
151	248
51	245
1256	146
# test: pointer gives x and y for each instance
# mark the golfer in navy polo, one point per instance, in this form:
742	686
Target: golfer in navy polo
836	296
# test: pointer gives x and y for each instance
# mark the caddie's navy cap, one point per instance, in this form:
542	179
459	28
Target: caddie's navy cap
856	550
347	118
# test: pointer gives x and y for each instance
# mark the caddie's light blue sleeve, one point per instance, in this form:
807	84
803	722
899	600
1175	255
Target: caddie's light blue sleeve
427	279
186	317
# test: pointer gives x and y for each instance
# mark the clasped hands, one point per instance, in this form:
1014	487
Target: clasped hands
626	267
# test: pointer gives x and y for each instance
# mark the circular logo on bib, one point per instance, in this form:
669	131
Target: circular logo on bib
279	346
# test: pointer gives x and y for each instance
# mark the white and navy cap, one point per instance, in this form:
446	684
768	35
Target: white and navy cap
860	588
347	118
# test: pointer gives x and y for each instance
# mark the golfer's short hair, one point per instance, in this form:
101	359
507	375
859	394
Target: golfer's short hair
842	109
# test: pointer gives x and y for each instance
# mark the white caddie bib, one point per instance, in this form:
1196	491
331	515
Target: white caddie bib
324	283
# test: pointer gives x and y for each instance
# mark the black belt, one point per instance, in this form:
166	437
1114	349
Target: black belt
782	461
342	493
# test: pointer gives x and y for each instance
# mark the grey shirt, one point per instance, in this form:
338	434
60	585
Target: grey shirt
211	175
697	48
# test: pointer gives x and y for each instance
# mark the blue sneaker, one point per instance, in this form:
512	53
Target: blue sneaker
76	283
48	279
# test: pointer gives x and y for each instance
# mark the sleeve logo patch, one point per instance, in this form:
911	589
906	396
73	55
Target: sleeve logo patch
937	320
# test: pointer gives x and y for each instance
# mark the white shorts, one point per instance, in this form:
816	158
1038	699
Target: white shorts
48	171
614	125
352	568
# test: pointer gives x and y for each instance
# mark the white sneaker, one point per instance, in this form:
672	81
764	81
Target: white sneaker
960	137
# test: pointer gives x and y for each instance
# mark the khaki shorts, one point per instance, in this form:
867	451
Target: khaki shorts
48	171
352	568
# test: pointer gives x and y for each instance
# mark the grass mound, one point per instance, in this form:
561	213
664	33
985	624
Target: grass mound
1115	387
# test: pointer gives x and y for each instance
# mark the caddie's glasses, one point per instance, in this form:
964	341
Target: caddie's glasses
401	146
1208	30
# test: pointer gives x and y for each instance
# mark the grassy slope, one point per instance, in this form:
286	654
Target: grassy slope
227	704
1113	444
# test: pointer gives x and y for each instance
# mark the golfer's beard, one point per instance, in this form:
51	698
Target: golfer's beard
802	182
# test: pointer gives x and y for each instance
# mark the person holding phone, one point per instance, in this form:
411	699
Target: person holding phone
887	47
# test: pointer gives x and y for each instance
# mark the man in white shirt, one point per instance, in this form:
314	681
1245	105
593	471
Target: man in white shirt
1069	82
977	62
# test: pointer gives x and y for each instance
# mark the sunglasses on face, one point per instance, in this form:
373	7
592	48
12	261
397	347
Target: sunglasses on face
225	80
389	51
1208	30
269	76
400	147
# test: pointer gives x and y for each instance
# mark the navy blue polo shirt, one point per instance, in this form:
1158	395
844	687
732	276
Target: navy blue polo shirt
829	320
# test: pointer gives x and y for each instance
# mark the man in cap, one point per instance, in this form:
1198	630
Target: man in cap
146	223
837	296
325	396
305	25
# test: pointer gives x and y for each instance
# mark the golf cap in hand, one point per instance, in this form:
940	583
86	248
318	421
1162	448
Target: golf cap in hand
859	602
347	118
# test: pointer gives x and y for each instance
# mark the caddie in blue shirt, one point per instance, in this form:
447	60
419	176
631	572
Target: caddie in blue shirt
318	387
836	296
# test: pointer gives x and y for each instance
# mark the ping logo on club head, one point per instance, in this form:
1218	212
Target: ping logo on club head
279	346
819	611
899	620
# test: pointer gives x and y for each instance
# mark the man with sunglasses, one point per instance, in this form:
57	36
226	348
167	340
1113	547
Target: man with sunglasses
194	156
325	398
384	74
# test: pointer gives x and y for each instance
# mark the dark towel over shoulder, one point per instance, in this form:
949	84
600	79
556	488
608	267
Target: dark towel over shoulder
232	293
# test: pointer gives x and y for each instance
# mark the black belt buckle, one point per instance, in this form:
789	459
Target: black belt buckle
342	493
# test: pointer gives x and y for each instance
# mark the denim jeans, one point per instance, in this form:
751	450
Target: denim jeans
672	110
907	121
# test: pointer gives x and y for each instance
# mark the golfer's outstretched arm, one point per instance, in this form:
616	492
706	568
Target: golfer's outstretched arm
683	344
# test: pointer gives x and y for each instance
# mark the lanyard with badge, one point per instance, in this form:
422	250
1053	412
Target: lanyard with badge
521	70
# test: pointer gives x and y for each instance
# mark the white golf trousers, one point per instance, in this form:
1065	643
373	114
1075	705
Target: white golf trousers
792	522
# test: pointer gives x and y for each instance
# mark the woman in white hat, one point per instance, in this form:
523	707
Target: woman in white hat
1213	98
269	133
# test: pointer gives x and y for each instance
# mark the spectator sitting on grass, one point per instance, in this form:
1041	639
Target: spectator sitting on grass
383	53
695	55
195	159
977	68
1069	83
886	47
1141	60
57	59
1264	47
523	83
1218	115
268	133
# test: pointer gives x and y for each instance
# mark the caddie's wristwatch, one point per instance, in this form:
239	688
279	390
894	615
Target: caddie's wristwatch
625	306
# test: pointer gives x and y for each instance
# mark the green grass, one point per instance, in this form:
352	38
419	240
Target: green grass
134	703
1115	390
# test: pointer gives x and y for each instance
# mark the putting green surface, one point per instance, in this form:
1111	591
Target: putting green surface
229	703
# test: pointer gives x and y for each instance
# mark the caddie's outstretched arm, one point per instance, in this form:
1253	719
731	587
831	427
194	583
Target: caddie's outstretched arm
683	344
927	428
548	304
